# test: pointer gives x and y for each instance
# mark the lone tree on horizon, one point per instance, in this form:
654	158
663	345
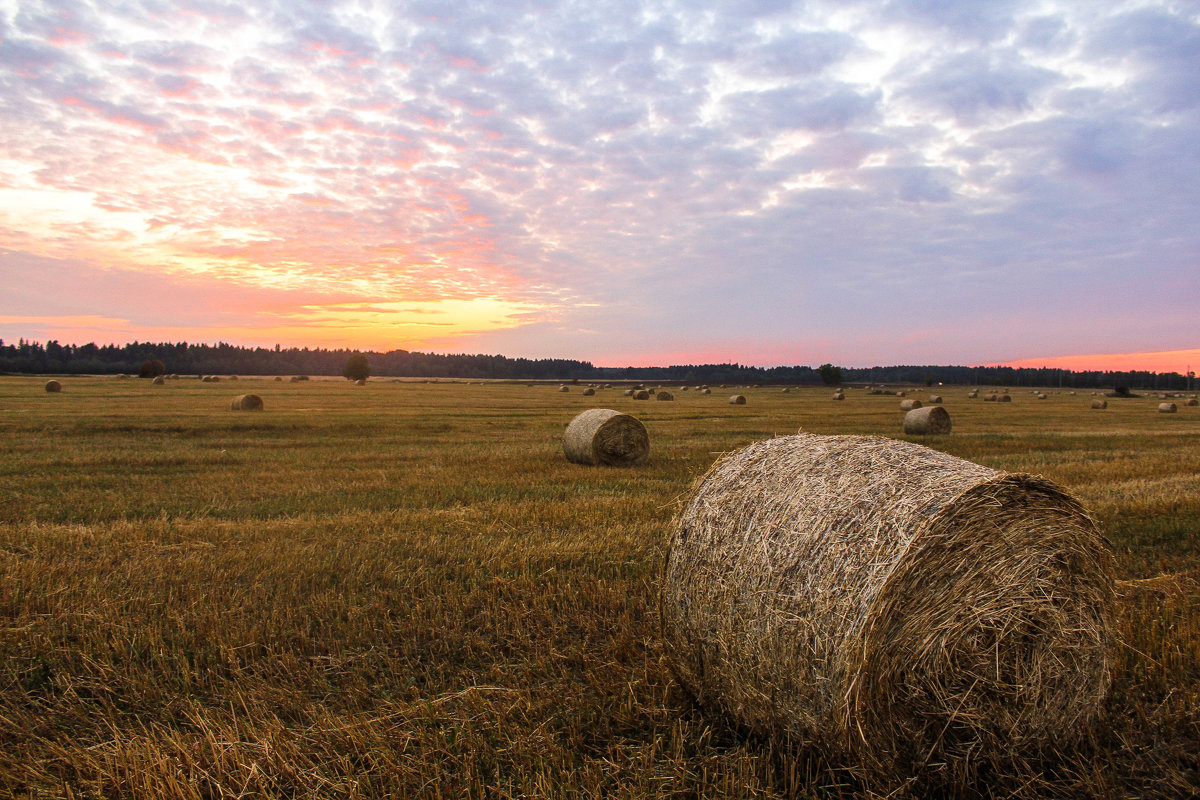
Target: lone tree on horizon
830	374
357	367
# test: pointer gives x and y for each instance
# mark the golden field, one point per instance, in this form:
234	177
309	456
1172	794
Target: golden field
403	589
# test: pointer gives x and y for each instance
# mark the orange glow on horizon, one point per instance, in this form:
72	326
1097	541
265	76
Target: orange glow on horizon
1155	361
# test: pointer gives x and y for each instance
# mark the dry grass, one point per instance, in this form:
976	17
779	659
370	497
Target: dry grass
409	592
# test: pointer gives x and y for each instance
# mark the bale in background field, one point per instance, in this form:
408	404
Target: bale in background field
53	386
247	402
935	398
927	421
839	395
589	392
604	436
909	405
738	400
1167	408
1005	398
664	395
1099	402
159	380
904	610
641	394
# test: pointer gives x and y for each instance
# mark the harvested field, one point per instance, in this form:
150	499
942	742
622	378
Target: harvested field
410	592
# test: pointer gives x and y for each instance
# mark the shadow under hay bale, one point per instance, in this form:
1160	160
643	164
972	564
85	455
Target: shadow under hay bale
601	436
927	421
53	386
247	402
907	612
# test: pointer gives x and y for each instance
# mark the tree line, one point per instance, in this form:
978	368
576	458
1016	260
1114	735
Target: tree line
191	358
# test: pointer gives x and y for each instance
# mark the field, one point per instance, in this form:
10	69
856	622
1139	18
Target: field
404	590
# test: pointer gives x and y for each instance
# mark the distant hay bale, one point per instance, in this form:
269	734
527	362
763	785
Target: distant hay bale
839	395
564	388
909	405
247	402
278	378
901	394
1005	398
589	392
361	382
706	390
785	390
903	609
159	380
1041	395
990	398
1099	402
641	394
629	392
1192	402
738	400
601	436
973	394
935	398
233	377
1167	408
927	421
53	386
664	395
122	377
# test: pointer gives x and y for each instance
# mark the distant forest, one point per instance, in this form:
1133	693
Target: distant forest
186	358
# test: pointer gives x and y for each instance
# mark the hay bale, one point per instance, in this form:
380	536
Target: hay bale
1192	402
1167	408
991	398
247	402
839	395
53	386
706	390
361	382
738	400
903	609
785	390
629	392
603	436
935	399
973	394
927	421
1005	398
589	392
1041	395
564	388
1099	402
909	405
641	394
278	378
664	395
159	380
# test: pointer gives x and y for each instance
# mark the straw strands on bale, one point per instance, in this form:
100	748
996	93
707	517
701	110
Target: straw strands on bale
905	610
738	400
604	436
53	386
927	421
909	405
247	402
664	395
1099	402
1167	408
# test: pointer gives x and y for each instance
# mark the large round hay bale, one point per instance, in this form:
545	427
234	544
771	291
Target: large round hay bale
927	421
641	394
1167	408
909	405
159	380
247	402
604	436
588	392
664	395
901	608
53	386
1099	402
738	400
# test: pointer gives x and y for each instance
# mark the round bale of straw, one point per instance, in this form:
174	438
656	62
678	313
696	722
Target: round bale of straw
589	392
904	610
927	421
664	395
1167	408
1005	398
53	386
159	380
1099	402
738	400
603	436
935	398
1192	402
361	382
247	402
641	394
973	394
839	395
706	390
909	405
564	388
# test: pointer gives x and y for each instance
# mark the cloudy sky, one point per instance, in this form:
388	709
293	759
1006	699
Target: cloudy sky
761	181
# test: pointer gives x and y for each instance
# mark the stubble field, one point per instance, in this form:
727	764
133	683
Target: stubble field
403	589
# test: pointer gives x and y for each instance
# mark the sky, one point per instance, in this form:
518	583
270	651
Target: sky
630	183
